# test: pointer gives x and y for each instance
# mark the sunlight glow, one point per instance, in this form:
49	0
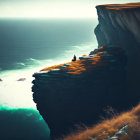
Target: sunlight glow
52	8
37	10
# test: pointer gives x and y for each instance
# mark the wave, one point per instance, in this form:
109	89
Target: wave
17	93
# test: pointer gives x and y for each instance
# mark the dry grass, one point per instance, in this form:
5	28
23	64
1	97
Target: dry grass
84	55
52	67
121	6
81	66
110	127
85	65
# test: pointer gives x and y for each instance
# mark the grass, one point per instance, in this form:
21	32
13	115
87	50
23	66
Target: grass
121	6
110	127
81	66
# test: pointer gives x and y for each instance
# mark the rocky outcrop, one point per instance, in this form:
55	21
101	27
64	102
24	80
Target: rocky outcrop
66	100
122	131
21	79
77	93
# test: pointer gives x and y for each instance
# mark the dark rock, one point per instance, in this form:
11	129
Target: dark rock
93	52
21	79
65	100
121	27
1	80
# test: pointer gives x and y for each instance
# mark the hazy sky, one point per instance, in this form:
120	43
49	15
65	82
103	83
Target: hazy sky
52	8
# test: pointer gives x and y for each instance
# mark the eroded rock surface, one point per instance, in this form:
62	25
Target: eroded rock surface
76	93
65	100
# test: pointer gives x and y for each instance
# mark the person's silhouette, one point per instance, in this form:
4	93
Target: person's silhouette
74	58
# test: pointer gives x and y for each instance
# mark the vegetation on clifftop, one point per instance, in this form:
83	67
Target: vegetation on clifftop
121	6
100	58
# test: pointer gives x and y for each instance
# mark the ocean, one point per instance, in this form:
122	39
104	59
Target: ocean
28	45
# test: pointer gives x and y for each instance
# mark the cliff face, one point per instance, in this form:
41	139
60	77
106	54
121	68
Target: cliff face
77	92
119	24
66	99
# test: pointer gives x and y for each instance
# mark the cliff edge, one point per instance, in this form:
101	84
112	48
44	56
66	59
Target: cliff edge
76	93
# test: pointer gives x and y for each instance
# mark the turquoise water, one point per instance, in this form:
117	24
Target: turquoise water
22	124
26	46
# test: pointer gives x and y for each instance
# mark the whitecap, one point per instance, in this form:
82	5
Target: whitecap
22	64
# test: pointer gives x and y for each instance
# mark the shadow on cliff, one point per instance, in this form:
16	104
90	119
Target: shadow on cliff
22	124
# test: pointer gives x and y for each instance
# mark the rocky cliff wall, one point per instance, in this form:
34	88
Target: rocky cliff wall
66	99
77	93
119	24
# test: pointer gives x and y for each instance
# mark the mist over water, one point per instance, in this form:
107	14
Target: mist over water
27	46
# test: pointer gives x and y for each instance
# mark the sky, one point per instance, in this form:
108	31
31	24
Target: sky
52	8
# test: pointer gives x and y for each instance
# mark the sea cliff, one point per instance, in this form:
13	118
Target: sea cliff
119	24
76	93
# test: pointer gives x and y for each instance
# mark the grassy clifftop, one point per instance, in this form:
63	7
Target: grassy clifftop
101	57
121	6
